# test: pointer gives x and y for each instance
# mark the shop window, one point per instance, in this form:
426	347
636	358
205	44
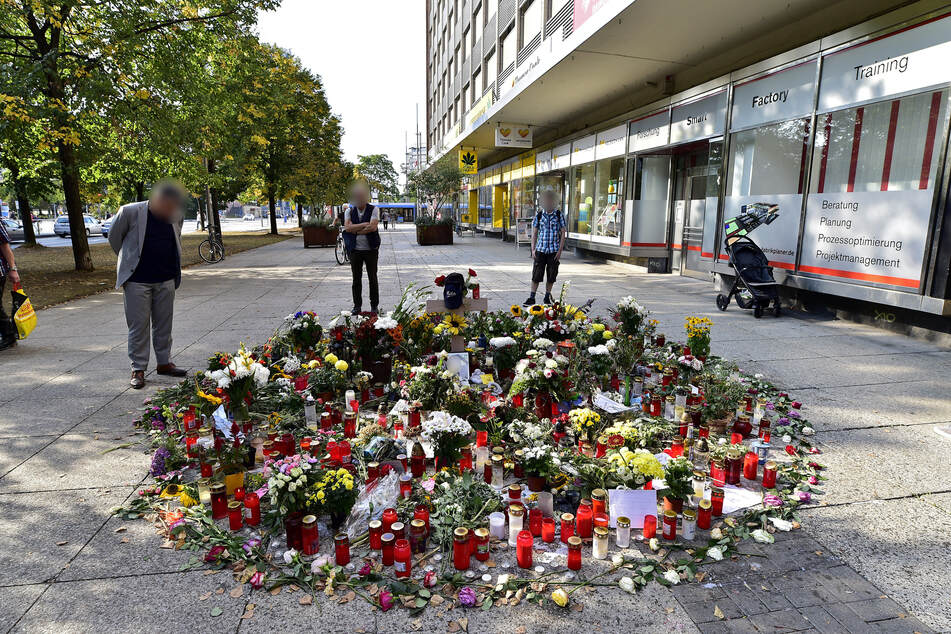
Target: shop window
886	146
768	160
523	198
651	184
581	200
607	206
485	205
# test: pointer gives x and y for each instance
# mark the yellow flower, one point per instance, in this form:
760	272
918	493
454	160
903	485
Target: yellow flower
330	358
560	597
341	365
214	400
187	500
536	309
598	327
321	495
516	310
608	334
313	364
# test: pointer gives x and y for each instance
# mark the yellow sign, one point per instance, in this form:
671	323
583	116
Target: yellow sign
468	161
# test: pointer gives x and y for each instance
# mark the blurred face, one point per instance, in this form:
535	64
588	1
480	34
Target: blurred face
549	200
359	195
165	206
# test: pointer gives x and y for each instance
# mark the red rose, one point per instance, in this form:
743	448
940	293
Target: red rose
440	280
790	450
472	273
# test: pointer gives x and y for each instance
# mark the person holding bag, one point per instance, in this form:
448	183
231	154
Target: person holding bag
8	269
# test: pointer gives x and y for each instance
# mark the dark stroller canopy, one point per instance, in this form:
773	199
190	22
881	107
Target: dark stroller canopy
751	263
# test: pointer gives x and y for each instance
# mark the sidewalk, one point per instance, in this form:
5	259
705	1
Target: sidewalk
873	557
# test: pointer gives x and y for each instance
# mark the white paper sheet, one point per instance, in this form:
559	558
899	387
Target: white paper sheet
633	504
736	498
611	407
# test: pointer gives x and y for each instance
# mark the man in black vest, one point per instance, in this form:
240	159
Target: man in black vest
362	241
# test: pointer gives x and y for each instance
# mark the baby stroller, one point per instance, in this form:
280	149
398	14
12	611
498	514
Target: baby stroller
753	286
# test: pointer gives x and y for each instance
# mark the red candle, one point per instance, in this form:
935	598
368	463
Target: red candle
670	525
567	527
375	530
460	548
482	544
206	469
239	494
389	517
252	509
219	501
574	553
769	475
235	516
406	485
403	461
333	450
548	529
418	462
309	536
422	513
345	455
750	464
704	514
398	530
523	549
601	519
718	473
487	472
465	459
716	501
599	499
350	425
402	559
342	549
387	548
584	524
535	522
326	421
650	526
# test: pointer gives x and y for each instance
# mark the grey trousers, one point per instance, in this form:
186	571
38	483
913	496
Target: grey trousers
149	305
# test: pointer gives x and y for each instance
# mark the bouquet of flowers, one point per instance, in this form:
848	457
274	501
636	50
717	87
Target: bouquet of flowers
586	422
542	370
677	475
630	316
303	330
431	385
287	484
334	492
454	500
329	377
239	378
698	335
528	433
633	469
601	359
448	435
505	352
539	460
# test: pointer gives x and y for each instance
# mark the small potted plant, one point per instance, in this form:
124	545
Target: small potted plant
678	484
319	231
698	336
334	492
448	434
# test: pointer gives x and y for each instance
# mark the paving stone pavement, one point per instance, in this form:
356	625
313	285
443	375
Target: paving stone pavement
874	556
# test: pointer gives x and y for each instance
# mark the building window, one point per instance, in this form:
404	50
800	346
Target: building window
530	22
581	200
607	205
490	9
508	48
477	87
478	23
465	100
491	71
554	6
464	45
885	146
768	160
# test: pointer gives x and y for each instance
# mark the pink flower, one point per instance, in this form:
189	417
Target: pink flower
796	404
772	500
805	496
386	600
429	580
365	570
428	484
467	597
215	553
257	580
813	480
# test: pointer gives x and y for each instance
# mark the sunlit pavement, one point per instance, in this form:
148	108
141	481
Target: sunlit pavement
873	556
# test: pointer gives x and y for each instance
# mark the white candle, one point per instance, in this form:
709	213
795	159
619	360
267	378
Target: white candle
497	525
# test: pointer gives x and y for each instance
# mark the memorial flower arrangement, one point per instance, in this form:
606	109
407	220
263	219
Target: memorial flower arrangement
545	417
698	335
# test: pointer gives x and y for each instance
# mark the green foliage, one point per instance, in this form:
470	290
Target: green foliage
435	185
378	171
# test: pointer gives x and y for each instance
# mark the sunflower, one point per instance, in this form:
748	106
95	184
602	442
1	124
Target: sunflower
454	323
214	400
537	309
516	310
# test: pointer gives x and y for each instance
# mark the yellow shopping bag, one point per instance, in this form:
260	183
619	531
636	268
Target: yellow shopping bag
23	315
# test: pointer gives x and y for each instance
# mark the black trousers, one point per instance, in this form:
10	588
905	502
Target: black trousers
357	260
7	327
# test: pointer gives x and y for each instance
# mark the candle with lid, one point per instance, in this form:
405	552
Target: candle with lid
342	549
584	523
310	540
498	464
574	553
375	531
599	499
704	515
460	548
599	548
567	526
482	544
235	515
523	550
516	519
689	524
769	474
402	558
388	518
497	525
670	525
716	501
386	543
623	533
219	501
548	529
417	536
398	529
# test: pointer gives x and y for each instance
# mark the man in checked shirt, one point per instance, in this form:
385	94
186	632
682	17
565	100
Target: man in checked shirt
549	231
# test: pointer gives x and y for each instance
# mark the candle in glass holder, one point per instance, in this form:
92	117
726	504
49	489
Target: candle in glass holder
482	544
769	474
567	527
622	535
548	529
497	471
584	522
523	549
204	491
717	473
599	499
406	485
309	537
574	553
546	502
599	548
404	461
535	522
465	459
386	548
460	548
750	465
704	515
219	501
734	464
421	512
375	531
417	461
497	525
388	518
252	509
402	558
398	529
516	520
689	527
417	536
670	525
235	515
342	549
650	527
716	501
518	462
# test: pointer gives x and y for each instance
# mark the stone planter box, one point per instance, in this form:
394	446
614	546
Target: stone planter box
319	237
433	234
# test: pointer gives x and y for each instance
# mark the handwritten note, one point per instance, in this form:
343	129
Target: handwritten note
633	504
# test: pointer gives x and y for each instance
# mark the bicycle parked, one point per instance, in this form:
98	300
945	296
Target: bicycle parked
340	251
211	248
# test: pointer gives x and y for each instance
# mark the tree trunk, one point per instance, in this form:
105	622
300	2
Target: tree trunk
139	191
23	206
300	214
74	207
271	206
201	213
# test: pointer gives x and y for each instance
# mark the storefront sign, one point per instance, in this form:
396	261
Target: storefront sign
582	150
784	95
649	132
561	156
698	119
778	239
610	142
909	60
867	236
468	161
479	108
523	231
513	135
543	162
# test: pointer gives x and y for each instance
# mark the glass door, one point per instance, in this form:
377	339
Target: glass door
695	201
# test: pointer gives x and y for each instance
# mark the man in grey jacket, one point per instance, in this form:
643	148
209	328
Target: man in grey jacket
147	238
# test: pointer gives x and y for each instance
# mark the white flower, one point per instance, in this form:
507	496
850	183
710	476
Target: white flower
787	438
289	555
386	323
627	584
598	350
762	536
543	343
672	576
781	524
549	374
807	431
291	364
501	342
551	364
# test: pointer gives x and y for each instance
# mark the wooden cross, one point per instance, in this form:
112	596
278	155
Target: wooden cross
469	305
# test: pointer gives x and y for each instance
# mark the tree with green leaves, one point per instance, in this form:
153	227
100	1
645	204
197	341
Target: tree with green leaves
378	171
435	184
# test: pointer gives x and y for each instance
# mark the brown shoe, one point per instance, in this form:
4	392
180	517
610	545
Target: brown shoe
138	380
170	370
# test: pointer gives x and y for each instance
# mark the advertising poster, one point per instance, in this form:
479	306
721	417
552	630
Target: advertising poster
777	240
867	236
